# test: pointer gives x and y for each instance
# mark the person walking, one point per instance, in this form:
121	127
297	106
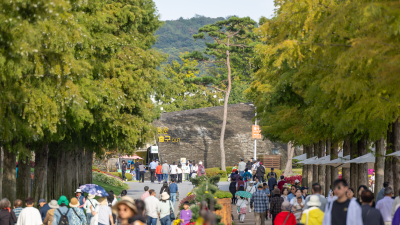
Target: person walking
190	169
247	176
102	214
164	209
173	188
381	192
29	215
173	171
232	189
342	211
201	170
285	192
396	204
272	174
316	190
179	171
163	189
44	207
62	213
370	215
254	167
48	220
151	206
385	206
77	216
165	171
137	170
80	198
186	171
7	216
292	193
260	172
281	182
186	214
242	208
259	203
153	166
276	204
146	193
313	215
142	169
285	217
123	168
159	173
17	207
242	166
271	182
194	169
90	202
251	189
248	165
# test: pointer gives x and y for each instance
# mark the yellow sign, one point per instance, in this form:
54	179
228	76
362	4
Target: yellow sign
164	130
256	132
161	139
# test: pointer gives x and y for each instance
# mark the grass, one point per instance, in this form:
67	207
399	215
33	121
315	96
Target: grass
117	190
222	179
297	171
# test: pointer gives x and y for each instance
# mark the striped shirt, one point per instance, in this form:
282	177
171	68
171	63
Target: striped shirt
17	211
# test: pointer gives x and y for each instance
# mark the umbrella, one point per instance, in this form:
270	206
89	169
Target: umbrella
94	189
244	194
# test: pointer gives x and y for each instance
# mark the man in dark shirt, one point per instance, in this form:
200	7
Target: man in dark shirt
271	183
123	168
137	170
44	207
272	173
370	215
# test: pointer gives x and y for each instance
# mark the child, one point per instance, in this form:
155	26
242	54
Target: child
186	214
250	189
242	208
133	173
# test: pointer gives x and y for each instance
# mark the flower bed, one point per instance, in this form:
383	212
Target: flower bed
108	179
291	179
106	173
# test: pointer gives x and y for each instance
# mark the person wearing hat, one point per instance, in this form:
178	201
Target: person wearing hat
102	213
163	209
80	198
62	210
272	174
281	182
48	220
260	172
241	167
90	202
44	207
201	170
304	191
77	216
313	215
259	202
276	204
125	209
285	217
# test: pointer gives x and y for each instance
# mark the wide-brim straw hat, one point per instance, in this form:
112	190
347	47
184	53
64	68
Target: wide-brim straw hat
314	201
164	196
53	204
74	203
127	201
91	196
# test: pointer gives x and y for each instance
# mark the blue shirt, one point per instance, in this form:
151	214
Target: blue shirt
260	201
291	195
153	165
173	188
43	211
266	191
17	211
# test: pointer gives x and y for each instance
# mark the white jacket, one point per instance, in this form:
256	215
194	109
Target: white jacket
354	213
186	169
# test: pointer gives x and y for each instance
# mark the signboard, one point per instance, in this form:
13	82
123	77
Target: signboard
183	160
256	132
154	149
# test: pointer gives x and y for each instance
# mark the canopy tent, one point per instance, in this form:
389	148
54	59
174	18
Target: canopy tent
394	154
301	157
317	161
337	162
130	157
307	160
367	158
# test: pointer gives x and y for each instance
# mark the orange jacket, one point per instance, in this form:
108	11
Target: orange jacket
158	169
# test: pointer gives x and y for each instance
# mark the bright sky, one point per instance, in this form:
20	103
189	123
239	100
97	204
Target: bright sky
173	9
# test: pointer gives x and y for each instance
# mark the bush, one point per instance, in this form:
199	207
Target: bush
119	174
215	171
223	194
191	199
278	173
229	169
104	178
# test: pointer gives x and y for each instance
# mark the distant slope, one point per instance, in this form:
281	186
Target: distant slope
175	36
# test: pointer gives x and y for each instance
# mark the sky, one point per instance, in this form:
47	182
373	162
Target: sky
174	9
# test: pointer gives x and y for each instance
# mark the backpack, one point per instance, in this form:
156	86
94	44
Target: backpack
202	170
63	218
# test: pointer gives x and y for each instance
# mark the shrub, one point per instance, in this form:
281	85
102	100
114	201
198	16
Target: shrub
229	169
215	171
278	173
119	174
104	178
223	194
191	199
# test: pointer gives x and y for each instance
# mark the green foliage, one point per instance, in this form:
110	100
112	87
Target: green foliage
119	174
278	172
199	180
223	194
210	172
229	169
101	177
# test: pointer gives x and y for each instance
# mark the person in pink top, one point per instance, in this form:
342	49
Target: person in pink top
146	193
201	171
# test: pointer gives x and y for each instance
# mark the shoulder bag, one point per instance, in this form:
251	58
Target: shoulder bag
287	217
77	214
171	212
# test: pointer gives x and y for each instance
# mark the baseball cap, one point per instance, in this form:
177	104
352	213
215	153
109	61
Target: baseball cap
304	188
40	201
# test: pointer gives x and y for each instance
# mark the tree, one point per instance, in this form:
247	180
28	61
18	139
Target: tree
229	43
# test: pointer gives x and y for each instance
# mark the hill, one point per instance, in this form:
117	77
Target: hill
175	36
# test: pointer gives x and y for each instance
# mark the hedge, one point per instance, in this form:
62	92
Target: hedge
215	171
278	173
229	169
119	174
104	178
223	194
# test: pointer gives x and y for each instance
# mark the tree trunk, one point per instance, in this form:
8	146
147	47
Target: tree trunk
346	152
321	168
89	165
379	165
310	167
52	172
9	175
228	91
304	180
362	146
315	167
389	160
328	168
60	188
40	177
334	155
353	166
24	178
1	171
396	159
288	169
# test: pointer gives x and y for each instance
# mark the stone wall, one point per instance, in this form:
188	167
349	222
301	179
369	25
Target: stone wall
195	135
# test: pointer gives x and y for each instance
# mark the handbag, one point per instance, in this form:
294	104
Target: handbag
171	212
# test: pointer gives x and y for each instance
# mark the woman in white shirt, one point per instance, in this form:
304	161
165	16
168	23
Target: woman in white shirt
195	167
173	171
179	171
285	192
298	204
186	171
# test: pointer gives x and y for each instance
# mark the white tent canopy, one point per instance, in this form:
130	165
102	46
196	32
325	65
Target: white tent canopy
318	161
337	162
301	157
394	154
307	160
367	158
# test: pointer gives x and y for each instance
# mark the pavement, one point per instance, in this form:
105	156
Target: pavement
137	189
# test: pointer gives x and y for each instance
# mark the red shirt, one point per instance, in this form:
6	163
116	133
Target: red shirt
280	218
158	169
281	183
